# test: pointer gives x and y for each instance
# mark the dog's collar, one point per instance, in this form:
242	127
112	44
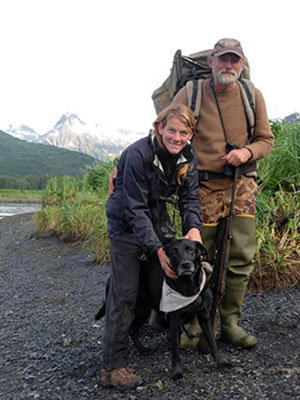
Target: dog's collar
172	300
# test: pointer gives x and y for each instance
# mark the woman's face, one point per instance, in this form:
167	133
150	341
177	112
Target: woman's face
175	135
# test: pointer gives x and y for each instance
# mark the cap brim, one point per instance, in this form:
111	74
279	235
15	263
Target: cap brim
227	51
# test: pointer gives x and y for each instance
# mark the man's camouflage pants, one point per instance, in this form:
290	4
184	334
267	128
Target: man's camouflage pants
215	206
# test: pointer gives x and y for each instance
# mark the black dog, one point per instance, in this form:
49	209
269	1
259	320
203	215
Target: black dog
186	257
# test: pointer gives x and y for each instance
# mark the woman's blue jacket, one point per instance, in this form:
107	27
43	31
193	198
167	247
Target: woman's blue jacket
141	183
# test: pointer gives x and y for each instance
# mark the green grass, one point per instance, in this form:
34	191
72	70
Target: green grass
74	209
278	240
281	169
278	212
20	196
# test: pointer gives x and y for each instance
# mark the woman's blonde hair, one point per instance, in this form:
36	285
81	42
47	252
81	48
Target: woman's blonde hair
179	111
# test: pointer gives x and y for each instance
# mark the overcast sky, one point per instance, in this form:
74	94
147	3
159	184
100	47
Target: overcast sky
102	59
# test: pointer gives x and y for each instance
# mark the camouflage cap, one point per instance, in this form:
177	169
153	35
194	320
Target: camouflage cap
224	46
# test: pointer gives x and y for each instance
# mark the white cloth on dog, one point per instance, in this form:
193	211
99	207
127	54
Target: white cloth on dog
172	300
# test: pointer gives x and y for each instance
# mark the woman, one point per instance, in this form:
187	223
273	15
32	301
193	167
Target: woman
148	173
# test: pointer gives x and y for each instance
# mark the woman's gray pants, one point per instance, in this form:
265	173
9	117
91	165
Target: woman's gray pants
120	302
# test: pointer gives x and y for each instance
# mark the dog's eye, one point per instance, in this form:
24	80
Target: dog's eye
190	250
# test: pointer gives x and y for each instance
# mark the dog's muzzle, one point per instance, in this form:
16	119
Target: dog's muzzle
186	268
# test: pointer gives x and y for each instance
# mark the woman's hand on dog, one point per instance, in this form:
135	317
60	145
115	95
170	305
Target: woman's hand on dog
165	263
194	234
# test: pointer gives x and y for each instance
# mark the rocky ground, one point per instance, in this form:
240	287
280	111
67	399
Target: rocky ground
51	346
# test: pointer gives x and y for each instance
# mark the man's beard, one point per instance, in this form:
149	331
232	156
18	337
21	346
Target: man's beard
227	77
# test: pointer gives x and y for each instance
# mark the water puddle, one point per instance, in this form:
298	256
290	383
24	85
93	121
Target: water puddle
8	209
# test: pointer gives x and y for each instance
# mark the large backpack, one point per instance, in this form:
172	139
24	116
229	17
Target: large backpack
190	72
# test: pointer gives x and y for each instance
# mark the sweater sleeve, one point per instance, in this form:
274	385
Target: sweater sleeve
263	138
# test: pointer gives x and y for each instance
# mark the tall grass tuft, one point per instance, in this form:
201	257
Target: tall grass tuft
74	210
278	212
278	240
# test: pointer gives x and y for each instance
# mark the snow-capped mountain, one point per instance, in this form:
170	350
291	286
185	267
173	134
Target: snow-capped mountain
71	133
292	118
23	132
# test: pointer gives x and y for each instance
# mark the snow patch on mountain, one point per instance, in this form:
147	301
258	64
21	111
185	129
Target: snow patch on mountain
22	132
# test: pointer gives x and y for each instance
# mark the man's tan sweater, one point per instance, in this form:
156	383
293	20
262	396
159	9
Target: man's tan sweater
209	141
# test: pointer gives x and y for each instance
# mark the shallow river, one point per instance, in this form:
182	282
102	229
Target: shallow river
7	209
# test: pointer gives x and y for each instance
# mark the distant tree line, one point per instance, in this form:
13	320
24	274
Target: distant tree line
27	182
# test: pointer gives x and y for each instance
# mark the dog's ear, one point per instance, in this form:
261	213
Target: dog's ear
202	252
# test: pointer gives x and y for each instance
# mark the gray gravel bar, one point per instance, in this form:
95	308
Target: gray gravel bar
51	346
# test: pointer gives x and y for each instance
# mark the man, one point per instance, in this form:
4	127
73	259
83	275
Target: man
222	119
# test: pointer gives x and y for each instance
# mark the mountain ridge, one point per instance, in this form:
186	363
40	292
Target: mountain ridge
72	133
101	142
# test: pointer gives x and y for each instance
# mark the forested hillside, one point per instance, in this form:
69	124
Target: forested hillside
20	158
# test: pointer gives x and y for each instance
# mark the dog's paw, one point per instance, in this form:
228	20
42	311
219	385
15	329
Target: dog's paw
222	363
147	351
177	373
144	350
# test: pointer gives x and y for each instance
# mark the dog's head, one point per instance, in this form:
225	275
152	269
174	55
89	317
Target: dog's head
186	256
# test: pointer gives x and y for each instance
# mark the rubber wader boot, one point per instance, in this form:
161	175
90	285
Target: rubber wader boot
242	251
192	335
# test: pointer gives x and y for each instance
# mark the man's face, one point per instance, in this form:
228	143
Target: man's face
226	69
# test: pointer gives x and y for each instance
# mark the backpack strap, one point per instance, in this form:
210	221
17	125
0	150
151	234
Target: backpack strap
194	96
247	90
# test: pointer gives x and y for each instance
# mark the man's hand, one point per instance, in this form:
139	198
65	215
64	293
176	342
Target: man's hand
111	185
237	157
165	263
